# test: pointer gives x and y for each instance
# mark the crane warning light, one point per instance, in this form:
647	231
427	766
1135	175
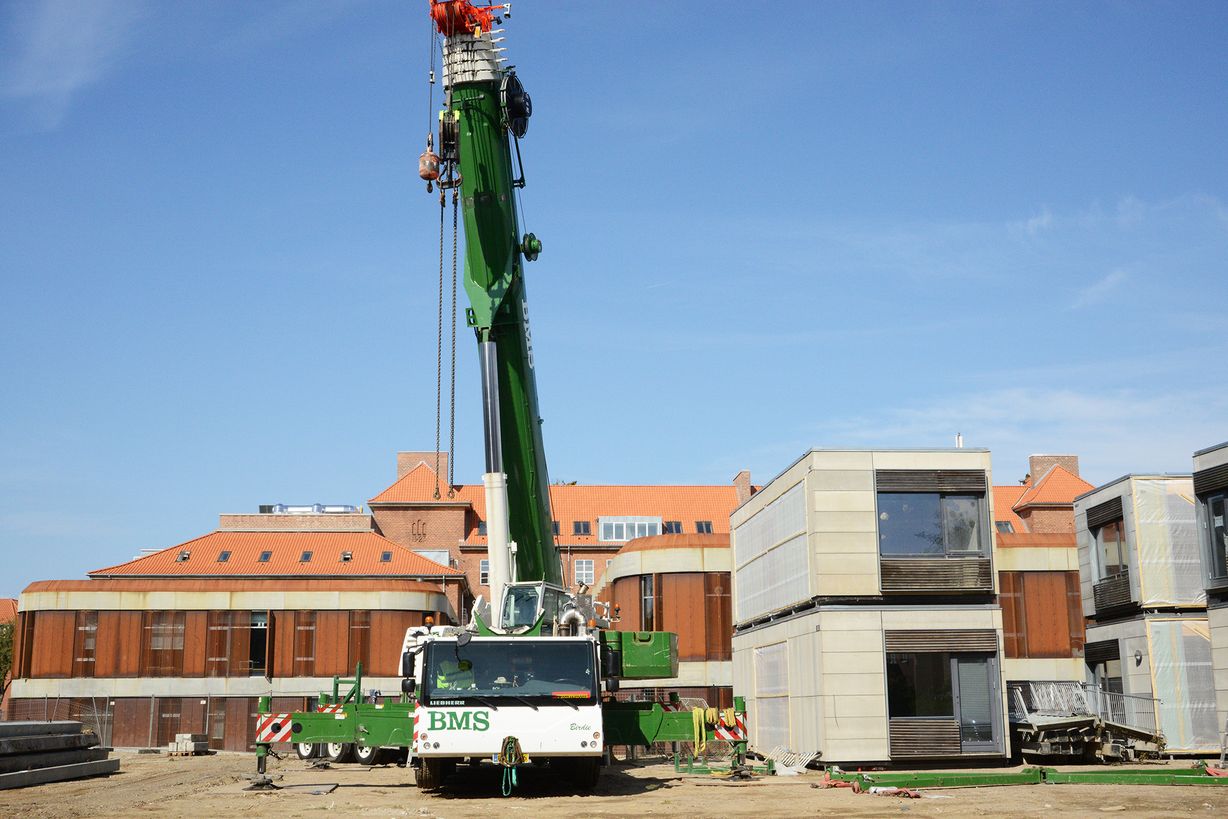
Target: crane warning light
454	17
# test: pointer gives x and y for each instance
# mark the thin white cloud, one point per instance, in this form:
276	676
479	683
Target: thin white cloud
58	48
1100	290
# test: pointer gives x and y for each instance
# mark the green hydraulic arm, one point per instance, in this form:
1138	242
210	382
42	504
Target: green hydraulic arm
486	114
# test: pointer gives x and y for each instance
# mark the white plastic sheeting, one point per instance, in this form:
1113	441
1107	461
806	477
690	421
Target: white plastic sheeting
1170	570
771	563
772	696
1184	683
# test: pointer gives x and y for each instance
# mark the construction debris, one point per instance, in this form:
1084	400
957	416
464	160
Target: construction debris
32	753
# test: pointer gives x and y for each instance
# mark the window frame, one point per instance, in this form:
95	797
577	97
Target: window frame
484	572
582	528
591	567
703	527
1122	548
1217	575
948	552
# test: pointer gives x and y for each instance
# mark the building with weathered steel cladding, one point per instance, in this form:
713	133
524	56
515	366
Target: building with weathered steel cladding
866	621
678	583
186	639
1211	493
1145	599
1038	572
592	522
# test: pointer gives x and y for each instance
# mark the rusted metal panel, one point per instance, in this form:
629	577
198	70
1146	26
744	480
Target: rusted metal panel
194	644
718	612
52	654
682	604
332	643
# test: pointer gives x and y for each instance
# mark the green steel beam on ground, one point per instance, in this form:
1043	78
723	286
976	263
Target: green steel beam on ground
942	779
1186	776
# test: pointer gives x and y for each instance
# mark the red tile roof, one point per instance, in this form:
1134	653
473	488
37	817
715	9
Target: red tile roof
1004	498
684	541
580	502
8	610
367	551
201	584
1057	487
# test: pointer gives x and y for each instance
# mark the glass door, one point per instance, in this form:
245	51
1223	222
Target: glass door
976	702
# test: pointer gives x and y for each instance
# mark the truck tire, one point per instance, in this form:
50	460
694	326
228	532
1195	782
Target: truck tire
367	754
587	772
307	750
429	775
339	751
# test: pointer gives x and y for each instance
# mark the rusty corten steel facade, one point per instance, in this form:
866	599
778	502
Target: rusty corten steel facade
694	605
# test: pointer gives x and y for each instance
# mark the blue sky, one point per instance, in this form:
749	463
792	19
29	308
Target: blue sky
855	224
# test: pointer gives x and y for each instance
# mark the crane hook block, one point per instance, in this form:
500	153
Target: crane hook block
428	165
531	246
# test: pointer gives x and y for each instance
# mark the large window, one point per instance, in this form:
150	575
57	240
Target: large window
304	643
584	572
648	601
1217	508
930	524
622	529
1111	546
162	643
84	643
360	640
937	684
236	643
518	671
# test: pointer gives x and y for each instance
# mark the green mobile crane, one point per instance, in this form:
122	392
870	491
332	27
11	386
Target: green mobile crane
532	675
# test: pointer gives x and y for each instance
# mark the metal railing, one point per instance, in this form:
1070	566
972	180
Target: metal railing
1073	699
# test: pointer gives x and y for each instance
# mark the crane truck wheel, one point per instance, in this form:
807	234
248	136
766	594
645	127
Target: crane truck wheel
366	754
339	751
307	750
429	775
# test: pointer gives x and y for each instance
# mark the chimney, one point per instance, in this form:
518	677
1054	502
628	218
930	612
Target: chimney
1038	465
741	484
408	461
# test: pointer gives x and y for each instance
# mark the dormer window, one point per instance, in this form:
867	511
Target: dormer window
346	557
223	557
481	528
183	556
385	557
305	557
264	557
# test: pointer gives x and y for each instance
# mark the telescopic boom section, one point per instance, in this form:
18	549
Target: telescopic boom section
487	107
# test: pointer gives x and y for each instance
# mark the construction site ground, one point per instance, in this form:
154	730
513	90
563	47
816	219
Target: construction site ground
158	785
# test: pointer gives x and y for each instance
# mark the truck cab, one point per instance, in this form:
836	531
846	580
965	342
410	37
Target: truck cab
478	698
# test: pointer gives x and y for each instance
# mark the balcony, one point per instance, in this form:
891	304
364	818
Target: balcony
1112	593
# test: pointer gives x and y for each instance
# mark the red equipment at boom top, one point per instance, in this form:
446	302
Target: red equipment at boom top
454	17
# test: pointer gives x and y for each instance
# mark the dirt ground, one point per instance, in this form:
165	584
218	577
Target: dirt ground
155	785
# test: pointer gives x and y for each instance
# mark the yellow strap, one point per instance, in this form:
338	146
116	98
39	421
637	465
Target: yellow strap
699	722
728	718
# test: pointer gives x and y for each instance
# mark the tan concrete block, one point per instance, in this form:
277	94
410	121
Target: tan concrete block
854	728
869	662
938	618
841	459
836	621
844	522
859	684
851	641
855	750
833	585
855	705
845	543
848	564
822	480
843	502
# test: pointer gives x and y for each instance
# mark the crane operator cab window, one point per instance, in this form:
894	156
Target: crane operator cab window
523	604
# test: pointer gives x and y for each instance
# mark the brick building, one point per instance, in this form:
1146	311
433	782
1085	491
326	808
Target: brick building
592	523
187	638
1038	572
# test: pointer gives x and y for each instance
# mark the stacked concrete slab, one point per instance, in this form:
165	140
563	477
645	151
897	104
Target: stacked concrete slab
188	745
32	753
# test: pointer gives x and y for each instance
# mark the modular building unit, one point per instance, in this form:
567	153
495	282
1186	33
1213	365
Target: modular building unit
1145	597
866	624
1211	492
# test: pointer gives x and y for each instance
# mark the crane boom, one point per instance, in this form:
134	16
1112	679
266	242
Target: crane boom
487	112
